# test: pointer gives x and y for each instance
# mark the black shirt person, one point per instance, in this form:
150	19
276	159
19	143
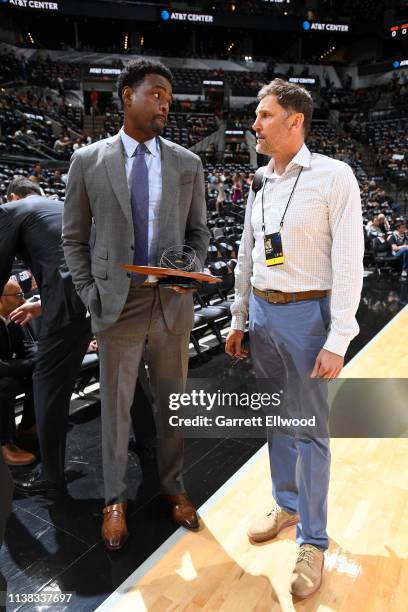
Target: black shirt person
17	361
30	228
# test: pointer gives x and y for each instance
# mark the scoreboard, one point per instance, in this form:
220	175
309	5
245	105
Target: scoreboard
398	30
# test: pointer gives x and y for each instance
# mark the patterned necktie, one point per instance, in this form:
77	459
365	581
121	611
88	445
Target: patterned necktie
139	197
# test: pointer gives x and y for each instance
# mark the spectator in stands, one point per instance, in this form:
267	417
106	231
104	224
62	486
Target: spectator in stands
226	177
17	361
236	188
373	226
23	133
210	153
383	223
243	151
228	153
399	245
62	144
378	224
38	175
79	142
61	88
219	185
380	244
56	178
249	179
31	227
94	98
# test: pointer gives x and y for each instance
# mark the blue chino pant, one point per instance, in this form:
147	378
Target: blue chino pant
404	254
285	340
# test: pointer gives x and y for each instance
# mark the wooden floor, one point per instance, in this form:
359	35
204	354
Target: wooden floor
386	356
366	567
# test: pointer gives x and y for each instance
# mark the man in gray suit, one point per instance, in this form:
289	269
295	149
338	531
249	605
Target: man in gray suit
144	194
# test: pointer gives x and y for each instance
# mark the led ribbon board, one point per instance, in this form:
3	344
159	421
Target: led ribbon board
399	30
33	4
303	80
314	26
186	17
400	63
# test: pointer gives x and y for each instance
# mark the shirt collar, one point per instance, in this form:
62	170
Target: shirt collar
6	321
302	158
130	144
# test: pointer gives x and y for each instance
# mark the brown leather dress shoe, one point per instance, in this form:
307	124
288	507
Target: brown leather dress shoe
13	455
184	513
114	528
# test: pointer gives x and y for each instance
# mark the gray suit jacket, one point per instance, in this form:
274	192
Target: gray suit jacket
97	191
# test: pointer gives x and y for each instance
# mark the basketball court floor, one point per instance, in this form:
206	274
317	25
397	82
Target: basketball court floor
55	546
366	564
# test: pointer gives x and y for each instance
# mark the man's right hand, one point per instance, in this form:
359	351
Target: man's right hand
25	313
233	344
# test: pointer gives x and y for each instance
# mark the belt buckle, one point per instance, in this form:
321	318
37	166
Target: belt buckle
269	297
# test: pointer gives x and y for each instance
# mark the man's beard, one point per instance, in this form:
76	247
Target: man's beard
158	127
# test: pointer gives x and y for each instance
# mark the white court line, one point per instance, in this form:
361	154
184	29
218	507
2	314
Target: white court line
155	557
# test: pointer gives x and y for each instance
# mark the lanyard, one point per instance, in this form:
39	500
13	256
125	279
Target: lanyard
284	213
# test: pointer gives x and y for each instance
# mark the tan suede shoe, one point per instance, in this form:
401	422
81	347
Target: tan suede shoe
308	572
114	528
267	527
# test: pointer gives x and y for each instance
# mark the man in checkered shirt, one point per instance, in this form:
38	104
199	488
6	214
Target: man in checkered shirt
301	299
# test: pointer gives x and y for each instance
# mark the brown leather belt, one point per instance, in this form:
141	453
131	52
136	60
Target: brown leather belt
280	297
145	285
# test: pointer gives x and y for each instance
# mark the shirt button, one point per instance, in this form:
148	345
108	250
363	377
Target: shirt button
128	274
132	247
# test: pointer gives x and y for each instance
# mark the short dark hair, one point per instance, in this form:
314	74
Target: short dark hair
135	71
291	97
22	187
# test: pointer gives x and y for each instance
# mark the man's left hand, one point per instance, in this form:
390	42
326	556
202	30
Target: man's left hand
178	289
328	365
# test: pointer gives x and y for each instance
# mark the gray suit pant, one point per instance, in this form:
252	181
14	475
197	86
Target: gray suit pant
121	347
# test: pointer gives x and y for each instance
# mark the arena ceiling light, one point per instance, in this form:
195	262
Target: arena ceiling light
324	55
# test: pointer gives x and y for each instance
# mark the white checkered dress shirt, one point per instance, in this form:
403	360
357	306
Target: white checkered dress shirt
322	240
